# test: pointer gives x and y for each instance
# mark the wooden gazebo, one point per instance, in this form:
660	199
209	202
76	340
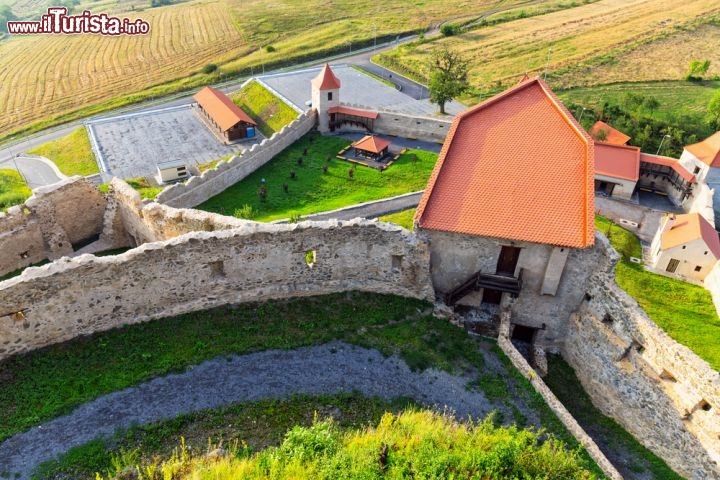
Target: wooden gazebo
371	147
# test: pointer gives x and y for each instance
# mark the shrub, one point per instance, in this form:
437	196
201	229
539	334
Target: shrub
449	29
246	212
262	192
209	68
269	48
294	217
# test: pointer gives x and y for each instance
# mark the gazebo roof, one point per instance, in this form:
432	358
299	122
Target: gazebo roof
371	143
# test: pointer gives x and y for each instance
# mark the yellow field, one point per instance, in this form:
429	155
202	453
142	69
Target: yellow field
578	37
44	76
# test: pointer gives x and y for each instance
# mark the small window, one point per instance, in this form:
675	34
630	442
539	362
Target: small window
217	269
608	319
696	171
684	247
698	268
310	258
705	252
329	95
588	297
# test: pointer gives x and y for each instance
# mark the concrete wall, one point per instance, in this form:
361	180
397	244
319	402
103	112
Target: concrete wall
694	165
623	188
49	222
200	270
454	258
198	189
657	389
701	201
647	219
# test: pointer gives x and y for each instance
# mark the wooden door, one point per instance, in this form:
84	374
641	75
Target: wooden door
672	265
508	261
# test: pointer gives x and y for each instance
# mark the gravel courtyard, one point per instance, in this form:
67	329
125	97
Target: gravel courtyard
132	145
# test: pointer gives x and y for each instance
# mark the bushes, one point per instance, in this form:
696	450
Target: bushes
13	190
413	444
449	29
209	68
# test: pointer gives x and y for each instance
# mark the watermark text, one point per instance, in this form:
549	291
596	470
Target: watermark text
57	21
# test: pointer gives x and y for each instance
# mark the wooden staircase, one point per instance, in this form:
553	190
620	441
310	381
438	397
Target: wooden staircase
480	280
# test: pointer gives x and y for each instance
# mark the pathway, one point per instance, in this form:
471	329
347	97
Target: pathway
332	368
37	171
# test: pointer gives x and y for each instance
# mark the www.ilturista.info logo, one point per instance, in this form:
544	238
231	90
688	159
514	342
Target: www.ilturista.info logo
57	21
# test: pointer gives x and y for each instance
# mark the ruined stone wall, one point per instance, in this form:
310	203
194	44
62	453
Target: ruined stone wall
145	222
49	223
647	219
200	270
657	389
198	189
455	257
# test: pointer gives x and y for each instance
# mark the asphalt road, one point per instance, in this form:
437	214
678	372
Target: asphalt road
36	172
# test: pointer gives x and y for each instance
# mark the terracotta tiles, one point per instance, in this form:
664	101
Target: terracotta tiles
616	137
221	108
371	143
354	111
689	227
618	161
326	79
518	166
668	162
708	150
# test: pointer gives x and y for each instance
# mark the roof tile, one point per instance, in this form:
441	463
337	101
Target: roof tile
221	108
517	166
326	79
689	227
612	135
708	150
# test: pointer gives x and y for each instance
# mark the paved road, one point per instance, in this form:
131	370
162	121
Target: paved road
35	171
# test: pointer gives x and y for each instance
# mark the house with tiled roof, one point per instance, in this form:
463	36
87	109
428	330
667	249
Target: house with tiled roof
510	201
686	246
222	116
617	169
602	132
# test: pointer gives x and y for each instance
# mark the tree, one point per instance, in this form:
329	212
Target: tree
713	111
448	76
698	68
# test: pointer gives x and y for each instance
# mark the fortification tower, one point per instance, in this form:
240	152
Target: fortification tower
325	95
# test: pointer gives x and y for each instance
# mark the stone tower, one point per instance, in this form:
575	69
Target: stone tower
325	95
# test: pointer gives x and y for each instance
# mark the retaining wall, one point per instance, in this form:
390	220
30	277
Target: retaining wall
200	270
49	223
657	389
225	174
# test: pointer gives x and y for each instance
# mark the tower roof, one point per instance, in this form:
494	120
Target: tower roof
326	79
517	166
708	150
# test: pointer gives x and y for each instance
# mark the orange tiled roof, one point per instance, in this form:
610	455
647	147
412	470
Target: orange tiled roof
708	150
517	166
221	108
371	143
618	161
354	112
616	137
689	227
326	79
668	162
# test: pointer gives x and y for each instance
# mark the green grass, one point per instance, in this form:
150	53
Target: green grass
72	154
270	113
312	190
562	381
42	384
372	75
213	163
684	311
143	187
412	444
258	424
403	218
676	99
17	272
13	189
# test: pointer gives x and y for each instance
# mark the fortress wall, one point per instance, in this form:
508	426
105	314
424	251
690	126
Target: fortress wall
200	270
49	222
198	189
657	389
423	128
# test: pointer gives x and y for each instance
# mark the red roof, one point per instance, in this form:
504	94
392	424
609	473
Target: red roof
688	227
616	137
617	161
517	166
708	150
326	79
354	111
371	143
221	108
668	162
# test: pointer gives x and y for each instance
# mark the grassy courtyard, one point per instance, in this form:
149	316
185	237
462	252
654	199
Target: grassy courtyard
322	182
403	218
13	189
270	113
72	154
684	311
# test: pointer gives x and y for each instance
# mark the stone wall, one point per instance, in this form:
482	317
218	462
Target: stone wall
48	224
647	219
199	189
430	129
455	257
657	389
200	270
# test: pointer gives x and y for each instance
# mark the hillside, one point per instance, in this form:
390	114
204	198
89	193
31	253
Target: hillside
597	43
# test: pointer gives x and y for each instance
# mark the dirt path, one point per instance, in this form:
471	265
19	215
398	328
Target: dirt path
325	369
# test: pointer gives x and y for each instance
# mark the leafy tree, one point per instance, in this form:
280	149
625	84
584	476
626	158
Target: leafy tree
713	111
448	76
698	69
449	29
651	103
601	135
209	68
